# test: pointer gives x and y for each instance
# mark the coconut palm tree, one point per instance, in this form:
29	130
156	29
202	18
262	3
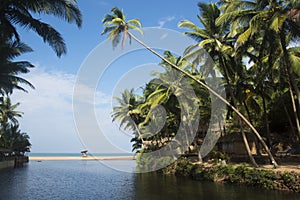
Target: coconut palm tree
9	69
127	114
276	23
214	39
8	114
15	13
115	25
15	140
8	118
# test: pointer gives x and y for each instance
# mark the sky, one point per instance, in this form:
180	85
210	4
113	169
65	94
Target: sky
50	116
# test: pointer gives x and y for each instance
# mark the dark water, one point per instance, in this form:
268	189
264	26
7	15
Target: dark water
72	180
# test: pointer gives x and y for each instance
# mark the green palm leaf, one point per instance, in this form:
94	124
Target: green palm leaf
244	36
21	13
277	22
295	61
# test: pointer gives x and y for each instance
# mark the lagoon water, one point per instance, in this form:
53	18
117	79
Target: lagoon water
72	180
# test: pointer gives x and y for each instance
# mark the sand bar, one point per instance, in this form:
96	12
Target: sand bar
40	158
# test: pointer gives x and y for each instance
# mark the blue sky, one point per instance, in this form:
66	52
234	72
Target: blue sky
48	110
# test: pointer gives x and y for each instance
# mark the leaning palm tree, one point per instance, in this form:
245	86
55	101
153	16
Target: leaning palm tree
116	24
15	13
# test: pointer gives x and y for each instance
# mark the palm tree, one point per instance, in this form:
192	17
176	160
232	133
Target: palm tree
167	88
214	39
8	118
276	23
126	113
15	140
8	114
10	70
116	25
20	13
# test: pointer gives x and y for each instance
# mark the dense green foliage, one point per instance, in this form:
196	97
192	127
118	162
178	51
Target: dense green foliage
254	45
12	140
236	174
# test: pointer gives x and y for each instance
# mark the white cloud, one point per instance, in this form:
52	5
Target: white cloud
163	21
48	111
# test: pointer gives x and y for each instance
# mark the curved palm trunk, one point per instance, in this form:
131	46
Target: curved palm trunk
214	93
139	133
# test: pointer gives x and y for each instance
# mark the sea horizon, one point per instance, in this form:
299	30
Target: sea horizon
40	154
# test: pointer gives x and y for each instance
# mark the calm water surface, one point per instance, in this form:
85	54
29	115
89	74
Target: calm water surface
72	180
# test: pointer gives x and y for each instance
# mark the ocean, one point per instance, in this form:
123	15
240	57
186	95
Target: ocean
78	154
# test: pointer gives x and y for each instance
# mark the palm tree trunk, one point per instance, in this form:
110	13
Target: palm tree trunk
139	133
234	100
295	111
248	112
291	80
266	121
258	151
241	125
213	92
290	121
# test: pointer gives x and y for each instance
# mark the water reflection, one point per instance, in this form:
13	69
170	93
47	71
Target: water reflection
158	186
69	180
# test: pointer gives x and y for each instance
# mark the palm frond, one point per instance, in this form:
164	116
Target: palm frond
231	16
277	22
65	9
107	29
244	36
295	62
47	32
118	13
134	22
205	42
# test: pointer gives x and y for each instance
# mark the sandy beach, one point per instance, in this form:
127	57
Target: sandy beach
40	158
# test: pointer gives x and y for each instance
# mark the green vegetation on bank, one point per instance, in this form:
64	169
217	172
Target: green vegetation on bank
236	174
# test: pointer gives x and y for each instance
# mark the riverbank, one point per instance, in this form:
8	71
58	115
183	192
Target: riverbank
283	178
41	158
13	161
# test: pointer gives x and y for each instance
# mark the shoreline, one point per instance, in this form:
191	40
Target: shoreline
283	178
65	158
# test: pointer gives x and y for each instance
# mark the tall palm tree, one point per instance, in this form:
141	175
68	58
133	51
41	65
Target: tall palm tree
115	25
21	13
276	23
214	39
